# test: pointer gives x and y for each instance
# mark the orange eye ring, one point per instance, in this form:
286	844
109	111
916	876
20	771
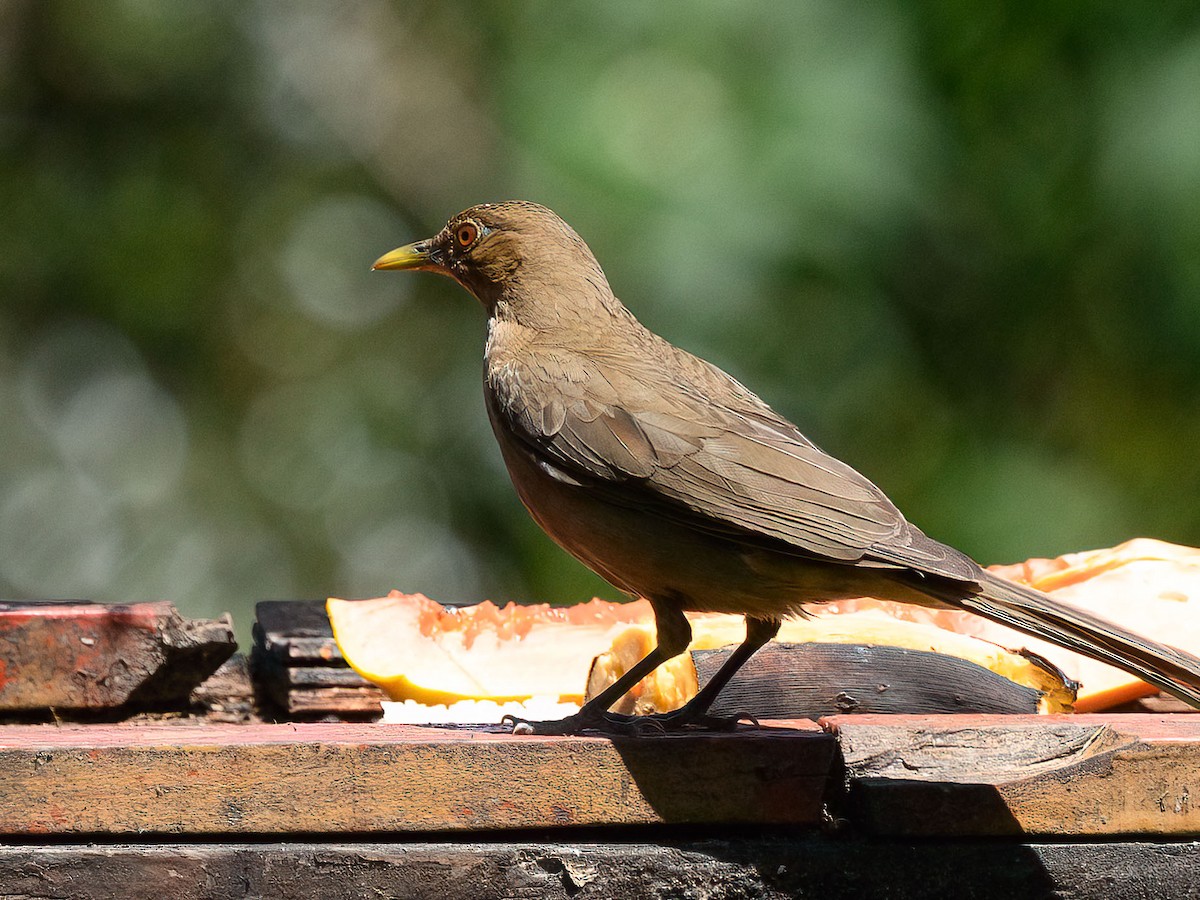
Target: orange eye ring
466	234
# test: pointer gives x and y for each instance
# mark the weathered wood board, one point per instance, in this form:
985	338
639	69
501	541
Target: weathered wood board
75	656
299	668
296	632
769	867
1080	775
357	779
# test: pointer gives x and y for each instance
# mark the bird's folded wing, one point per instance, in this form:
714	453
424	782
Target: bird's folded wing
746	473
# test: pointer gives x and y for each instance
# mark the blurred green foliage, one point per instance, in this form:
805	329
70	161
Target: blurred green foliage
958	244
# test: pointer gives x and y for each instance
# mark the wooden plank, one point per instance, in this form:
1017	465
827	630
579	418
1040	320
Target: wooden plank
293	618
349	703
228	694
78	656
318	677
342	778
296	632
301	691
300	669
773	868
1086	775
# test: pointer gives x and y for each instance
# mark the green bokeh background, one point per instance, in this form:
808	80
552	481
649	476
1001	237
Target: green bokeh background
959	244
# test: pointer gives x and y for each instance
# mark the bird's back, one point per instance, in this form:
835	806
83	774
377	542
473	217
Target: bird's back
645	424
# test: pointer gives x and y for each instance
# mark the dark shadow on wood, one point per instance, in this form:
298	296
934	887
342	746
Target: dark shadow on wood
756	774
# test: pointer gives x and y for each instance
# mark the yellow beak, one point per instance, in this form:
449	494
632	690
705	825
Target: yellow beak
410	256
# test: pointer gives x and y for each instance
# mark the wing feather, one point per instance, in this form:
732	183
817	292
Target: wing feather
734	467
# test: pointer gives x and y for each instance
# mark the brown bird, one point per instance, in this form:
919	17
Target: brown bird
675	483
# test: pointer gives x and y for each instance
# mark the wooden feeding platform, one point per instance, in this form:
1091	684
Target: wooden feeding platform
199	804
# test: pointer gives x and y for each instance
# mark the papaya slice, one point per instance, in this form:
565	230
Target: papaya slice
417	649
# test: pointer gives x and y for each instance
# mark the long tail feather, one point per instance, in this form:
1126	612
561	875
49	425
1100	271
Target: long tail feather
1028	610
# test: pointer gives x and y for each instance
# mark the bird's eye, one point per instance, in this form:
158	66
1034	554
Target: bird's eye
465	234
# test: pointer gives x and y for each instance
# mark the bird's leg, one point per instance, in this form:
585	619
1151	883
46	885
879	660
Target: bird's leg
674	635
694	713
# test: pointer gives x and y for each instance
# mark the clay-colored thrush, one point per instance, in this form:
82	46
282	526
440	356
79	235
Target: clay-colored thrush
674	482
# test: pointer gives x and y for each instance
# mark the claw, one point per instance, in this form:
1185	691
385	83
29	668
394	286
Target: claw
679	721
582	721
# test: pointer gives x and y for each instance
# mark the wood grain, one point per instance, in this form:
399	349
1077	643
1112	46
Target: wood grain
1086	775
299	668
274	779
768	867
95	657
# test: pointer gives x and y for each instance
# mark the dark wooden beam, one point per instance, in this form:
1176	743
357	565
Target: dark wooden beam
783	866
299	668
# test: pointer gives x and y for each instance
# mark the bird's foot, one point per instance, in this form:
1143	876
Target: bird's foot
601	722
678	721
684	720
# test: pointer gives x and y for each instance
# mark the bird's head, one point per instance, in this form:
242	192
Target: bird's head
516	252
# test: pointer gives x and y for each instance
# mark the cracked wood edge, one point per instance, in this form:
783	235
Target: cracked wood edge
1000	775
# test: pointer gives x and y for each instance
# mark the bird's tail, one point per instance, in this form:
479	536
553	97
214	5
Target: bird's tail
1028	610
